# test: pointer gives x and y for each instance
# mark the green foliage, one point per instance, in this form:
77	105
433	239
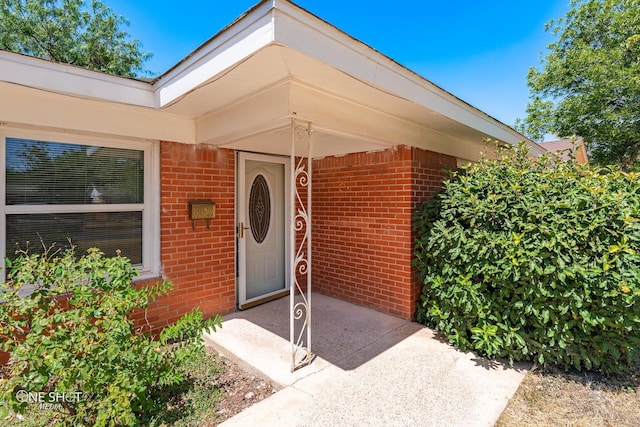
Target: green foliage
537	262
73	333
589	84
78	32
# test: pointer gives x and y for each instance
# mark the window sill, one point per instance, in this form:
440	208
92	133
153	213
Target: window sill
146	276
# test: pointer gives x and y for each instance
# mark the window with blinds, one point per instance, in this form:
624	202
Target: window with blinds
62	193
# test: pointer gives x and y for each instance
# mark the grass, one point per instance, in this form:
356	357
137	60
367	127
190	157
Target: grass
553	397
193	403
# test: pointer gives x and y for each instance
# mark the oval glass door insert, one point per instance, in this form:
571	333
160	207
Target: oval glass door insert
259	209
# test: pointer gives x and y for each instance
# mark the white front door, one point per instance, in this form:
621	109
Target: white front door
262	228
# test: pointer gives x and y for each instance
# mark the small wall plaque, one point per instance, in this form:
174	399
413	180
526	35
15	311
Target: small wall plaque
201	209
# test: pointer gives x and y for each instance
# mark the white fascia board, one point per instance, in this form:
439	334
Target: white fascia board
35	108
71	80
220	54
300	30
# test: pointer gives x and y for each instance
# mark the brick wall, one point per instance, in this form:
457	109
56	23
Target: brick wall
201	262
362	239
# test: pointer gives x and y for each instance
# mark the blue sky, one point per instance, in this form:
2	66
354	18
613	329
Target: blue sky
478	50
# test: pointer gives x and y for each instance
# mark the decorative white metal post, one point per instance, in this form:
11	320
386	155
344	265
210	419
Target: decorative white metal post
300	244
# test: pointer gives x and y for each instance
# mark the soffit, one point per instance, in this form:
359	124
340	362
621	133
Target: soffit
291	45
277	43
342	105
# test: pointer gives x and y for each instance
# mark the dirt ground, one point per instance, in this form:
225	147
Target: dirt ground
553	397
242	389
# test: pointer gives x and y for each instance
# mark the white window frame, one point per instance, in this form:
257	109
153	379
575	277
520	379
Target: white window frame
150	208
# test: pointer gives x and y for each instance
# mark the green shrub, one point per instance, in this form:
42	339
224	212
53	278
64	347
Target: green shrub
74	335
534	262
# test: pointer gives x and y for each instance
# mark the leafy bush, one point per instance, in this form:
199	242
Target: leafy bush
534	262
73	334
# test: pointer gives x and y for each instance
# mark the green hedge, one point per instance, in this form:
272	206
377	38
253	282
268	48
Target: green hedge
535	262
74	336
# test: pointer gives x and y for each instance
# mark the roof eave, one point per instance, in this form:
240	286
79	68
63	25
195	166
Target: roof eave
72	80
231	46
373	67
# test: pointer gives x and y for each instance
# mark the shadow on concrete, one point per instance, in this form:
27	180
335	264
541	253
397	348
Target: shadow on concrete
494	364
343	334
371	369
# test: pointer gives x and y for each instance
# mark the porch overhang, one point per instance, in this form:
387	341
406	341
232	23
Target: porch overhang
242	87
279	62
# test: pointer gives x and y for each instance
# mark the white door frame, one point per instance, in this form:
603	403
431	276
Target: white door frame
241	200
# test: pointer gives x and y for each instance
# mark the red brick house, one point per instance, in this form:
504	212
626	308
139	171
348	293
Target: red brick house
566	148
115	162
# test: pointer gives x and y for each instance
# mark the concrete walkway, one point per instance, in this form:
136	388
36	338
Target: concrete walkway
371	369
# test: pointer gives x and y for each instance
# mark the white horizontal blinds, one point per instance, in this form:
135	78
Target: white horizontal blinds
109	231
53	173
92	195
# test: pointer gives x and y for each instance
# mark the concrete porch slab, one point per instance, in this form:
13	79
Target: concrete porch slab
370	369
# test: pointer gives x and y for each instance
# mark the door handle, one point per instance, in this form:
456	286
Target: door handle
241	229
